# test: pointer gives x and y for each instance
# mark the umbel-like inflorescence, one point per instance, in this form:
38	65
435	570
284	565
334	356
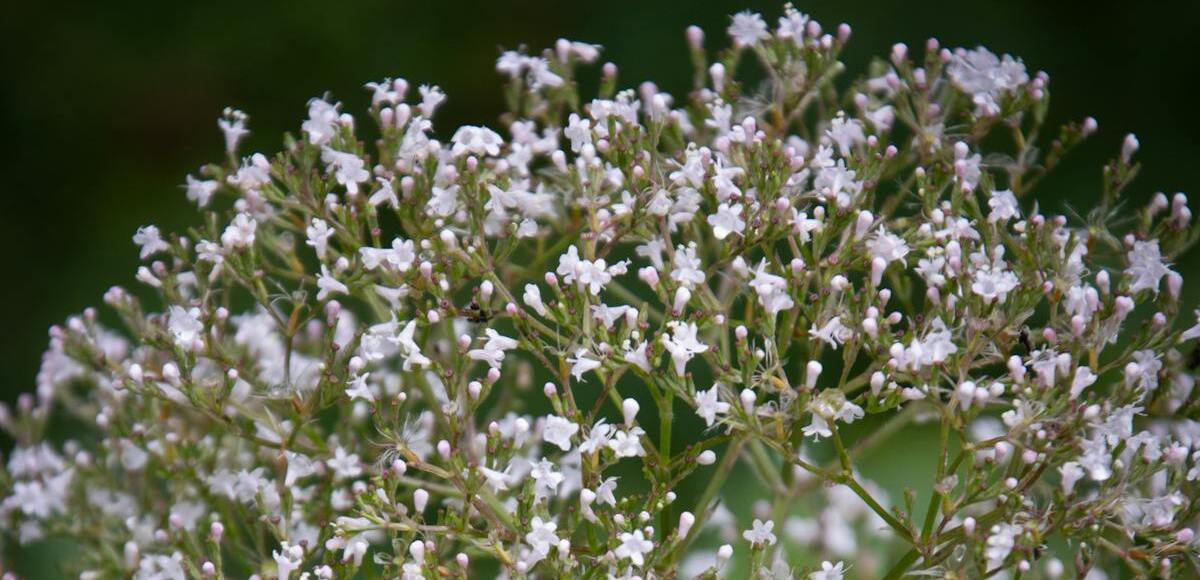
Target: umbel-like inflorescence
565	346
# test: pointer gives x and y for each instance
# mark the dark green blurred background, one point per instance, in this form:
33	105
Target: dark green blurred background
105	106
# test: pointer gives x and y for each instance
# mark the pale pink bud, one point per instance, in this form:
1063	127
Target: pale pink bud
629	410
1089	126
648	275
812	373
1129	147
748	399
717	72
682	296
1174	284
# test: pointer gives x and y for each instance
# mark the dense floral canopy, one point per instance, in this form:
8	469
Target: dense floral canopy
561	346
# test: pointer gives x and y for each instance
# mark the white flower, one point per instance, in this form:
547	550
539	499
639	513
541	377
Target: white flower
605	492
385	194
540	76
845	133
497	480
579	131
1000	544
688	271
771	290
288	559
887	246
709	405
200	191
609	315
1194	331
322	121
986	77
359	389
967	167
327	284
444	201
410	348
533	299
747	28
240	232
581	363
493	350
558	431
829	571
652	250
1004	206
627	443
476	141
344	465
838	184
633	547
432	97
1071	473
831	405
185	326
803	226
992	280
1084	378
298	467
682	344
160	567
348	168
151	242
592	275
546	479
793	24
597	438
254	173
760	534
233	125
318	233
727	221
1146	267
542	535
833	332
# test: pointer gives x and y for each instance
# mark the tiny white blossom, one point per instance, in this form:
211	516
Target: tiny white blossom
760	534
318	233
633	547
150	241
558	431
683	344
1146	268
747	28
709	405
727	221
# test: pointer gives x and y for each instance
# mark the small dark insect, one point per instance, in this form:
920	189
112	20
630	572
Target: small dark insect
1024	338
475	314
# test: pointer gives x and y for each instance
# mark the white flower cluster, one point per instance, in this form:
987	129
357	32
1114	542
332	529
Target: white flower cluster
738	293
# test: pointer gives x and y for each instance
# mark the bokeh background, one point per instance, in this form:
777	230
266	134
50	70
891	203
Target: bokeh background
105	106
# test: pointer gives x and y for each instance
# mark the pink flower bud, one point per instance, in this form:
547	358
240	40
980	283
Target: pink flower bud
695	37
629	410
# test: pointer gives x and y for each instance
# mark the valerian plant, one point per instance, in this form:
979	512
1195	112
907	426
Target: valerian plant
416	358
